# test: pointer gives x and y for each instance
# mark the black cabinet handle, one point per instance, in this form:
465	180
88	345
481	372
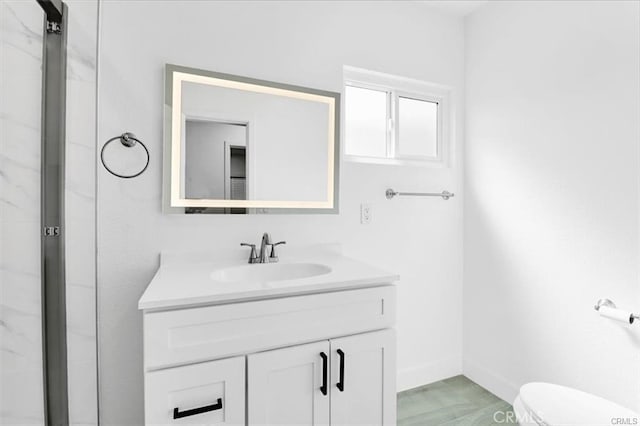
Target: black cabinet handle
323	388
340	384
177	414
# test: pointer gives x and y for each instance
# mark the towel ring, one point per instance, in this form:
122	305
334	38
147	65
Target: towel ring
127	139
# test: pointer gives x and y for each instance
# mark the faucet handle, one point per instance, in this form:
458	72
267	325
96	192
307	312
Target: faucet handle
273	257
253	256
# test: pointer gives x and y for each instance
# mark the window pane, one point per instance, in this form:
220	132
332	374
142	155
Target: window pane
366	122
418	128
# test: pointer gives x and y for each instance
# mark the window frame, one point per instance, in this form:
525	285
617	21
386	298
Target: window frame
401	87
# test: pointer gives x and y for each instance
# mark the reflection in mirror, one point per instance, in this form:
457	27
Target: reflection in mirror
239	145
289	139
215	163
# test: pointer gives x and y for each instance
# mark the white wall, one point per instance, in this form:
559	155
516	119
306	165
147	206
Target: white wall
551	187
302	43
21	389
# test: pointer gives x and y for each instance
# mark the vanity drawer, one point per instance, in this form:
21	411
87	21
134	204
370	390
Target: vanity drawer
199	334
211	393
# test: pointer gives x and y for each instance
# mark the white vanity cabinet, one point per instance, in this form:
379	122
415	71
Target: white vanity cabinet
343	381
204	393
283	386
365	367
320	357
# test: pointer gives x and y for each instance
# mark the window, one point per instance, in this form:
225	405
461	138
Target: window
367	113
394	120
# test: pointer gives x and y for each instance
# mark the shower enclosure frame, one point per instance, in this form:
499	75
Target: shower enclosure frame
54	327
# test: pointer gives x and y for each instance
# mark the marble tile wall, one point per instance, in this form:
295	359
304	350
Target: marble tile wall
20	104
21	387
80	197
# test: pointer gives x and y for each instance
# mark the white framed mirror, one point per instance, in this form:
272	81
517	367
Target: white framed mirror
238	145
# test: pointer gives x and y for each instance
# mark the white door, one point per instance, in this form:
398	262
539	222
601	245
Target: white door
363	379
209	393
289	386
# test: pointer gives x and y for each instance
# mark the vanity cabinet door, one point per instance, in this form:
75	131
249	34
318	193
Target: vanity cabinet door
210	393
289	386
363	379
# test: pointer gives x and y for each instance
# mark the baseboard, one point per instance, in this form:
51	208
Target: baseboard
413	377
494	383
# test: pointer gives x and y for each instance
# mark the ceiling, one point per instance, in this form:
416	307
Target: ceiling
458	8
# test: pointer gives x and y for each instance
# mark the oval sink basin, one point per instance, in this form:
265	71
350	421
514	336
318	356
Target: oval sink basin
270	272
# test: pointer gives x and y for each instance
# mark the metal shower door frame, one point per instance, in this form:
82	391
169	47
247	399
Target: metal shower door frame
54	324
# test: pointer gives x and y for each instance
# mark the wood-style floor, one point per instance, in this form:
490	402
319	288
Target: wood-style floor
452	402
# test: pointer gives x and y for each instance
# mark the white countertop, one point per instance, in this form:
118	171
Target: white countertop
182	284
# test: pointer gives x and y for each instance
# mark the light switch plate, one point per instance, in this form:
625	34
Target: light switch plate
365	213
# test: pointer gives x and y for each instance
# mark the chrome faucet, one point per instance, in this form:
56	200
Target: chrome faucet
266	241
254	257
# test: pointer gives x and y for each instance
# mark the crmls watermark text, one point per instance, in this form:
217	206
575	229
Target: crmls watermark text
505	417
624	421
509	417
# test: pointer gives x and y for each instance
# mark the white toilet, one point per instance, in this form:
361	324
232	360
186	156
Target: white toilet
545	404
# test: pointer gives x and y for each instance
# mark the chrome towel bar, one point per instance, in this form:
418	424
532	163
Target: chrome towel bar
390	193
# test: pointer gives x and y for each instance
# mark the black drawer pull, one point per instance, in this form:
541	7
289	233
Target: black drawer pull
340	384
177	414
323	388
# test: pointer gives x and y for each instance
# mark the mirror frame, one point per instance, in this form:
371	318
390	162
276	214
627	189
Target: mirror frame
173	202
